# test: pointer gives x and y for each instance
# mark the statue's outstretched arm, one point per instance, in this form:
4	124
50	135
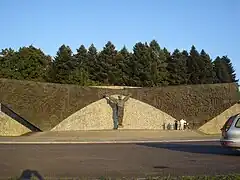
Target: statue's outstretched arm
126	97
111	98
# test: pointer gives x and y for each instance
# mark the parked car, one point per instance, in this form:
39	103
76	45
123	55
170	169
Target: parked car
231	133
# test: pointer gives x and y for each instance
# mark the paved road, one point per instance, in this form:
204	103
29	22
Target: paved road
118	160
110	135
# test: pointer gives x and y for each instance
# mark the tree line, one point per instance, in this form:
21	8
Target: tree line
147	65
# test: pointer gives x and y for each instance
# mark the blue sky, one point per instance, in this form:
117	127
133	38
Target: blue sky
212	25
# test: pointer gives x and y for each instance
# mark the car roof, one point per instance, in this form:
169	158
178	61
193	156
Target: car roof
237	115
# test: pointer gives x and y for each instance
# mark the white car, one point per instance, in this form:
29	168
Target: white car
231	133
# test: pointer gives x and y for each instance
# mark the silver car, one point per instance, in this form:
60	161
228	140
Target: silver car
231	133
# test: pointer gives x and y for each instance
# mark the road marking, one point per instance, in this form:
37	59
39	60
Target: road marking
107	142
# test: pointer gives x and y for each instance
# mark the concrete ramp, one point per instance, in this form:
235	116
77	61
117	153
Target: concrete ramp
99	116
213	126
12	124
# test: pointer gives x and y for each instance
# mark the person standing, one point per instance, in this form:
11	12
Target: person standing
182	122
178	125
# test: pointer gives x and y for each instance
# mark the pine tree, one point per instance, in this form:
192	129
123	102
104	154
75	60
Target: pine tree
230	68
92	62
81	57
193	65
107	65
123	73
220	69
158	64
126	67
207	74
140	66
63	65
177	68
224	70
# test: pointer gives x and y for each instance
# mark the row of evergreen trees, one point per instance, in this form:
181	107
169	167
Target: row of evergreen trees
147	65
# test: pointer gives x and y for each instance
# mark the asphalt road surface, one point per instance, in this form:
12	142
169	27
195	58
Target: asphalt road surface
118	160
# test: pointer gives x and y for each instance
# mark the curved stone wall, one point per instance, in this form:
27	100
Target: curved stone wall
99	116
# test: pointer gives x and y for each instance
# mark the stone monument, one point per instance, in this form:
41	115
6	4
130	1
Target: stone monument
119	105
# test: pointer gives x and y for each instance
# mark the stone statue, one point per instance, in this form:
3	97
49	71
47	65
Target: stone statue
119	102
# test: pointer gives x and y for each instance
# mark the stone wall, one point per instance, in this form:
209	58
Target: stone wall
46	105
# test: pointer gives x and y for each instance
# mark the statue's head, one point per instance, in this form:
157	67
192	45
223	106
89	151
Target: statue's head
120	97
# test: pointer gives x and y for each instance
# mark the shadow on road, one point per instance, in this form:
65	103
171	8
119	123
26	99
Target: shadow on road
193	148
29	175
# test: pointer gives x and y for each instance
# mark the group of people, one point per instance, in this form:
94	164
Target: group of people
181	125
